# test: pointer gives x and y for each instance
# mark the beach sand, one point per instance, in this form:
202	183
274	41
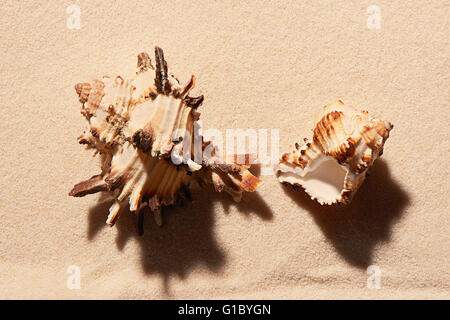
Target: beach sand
261	65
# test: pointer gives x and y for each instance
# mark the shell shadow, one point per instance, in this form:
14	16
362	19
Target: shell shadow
355	230
186	239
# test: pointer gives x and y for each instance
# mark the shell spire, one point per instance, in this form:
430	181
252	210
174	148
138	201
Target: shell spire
144	128
334	164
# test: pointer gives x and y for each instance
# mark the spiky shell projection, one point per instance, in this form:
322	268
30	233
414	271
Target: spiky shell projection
146	131
334	164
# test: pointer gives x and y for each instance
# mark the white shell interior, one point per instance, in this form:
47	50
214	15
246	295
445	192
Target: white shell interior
323	179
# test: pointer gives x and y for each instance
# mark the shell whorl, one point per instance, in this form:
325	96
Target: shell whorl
140	126
333	165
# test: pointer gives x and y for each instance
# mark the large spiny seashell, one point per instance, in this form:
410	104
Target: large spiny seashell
345	144
140	126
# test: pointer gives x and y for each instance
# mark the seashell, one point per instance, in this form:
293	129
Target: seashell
334	164
146	130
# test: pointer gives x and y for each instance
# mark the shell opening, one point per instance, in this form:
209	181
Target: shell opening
324	181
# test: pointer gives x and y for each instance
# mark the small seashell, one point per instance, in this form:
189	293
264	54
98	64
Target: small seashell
143	127
331	168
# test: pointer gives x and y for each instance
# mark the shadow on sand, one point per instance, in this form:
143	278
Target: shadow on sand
356	229
186	239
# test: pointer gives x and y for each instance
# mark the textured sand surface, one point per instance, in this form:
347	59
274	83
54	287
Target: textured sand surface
262	65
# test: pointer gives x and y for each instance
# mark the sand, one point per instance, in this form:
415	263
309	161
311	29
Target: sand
261	65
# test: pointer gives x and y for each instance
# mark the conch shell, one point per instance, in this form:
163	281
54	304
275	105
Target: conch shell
331	168
147	132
